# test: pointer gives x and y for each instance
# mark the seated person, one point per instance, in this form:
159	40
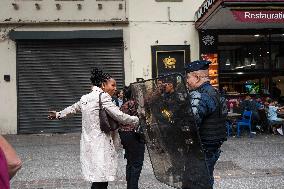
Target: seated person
250	104
267	102
259	103
272	116
272	111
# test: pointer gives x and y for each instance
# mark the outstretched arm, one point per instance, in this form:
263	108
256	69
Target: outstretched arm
70	110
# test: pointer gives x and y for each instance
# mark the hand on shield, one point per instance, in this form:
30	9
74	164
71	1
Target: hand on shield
141	114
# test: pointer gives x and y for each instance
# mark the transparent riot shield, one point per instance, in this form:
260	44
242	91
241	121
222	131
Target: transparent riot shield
171	133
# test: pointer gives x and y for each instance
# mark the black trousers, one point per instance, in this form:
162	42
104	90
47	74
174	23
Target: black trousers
211	158
99	185
134	153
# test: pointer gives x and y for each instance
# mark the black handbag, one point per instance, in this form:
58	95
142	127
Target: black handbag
107	123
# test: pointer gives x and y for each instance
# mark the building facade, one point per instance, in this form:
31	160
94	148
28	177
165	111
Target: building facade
48	47
248	48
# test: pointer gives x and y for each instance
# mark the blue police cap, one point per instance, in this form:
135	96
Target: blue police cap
197	65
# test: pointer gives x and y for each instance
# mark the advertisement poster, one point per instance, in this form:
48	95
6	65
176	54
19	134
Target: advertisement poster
213	68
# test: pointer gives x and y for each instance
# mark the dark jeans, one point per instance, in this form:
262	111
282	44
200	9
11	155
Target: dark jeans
134	153
211	158
99	185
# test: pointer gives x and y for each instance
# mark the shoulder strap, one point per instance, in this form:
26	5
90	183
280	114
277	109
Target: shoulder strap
100	101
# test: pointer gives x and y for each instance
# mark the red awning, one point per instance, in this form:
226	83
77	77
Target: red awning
240	14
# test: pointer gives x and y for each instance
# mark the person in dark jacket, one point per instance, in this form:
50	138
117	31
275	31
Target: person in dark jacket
275	92
210	111
132	143
250	104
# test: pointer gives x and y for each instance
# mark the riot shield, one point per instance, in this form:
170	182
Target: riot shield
171	133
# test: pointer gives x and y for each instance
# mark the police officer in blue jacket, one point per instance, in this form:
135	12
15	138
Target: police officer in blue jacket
210	111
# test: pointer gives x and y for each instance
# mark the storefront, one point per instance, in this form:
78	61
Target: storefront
245	41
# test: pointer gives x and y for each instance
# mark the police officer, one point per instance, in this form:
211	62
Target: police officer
209	110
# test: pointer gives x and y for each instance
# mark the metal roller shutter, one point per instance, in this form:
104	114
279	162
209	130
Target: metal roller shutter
53	74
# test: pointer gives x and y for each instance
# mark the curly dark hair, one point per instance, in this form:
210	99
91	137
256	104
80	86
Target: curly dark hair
127	93
98	77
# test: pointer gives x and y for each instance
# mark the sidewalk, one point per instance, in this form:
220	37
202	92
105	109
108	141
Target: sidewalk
52	161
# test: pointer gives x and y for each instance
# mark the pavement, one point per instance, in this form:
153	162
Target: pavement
52	161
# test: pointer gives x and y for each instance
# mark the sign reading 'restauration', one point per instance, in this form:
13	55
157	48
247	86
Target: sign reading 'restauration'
260	16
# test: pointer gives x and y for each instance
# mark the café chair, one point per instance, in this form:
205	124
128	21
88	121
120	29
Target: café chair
244	122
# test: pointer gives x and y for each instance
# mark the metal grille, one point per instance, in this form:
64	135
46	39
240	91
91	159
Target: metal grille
53	74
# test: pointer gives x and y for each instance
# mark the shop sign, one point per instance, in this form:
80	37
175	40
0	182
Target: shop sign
208	41
259	16
168	59
203	9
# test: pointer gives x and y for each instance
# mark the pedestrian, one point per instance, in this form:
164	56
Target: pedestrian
97	154
4	175
10	163
132	142
120	97
210	111
272	116
115	99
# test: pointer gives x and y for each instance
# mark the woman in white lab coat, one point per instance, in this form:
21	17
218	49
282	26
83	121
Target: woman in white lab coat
97	152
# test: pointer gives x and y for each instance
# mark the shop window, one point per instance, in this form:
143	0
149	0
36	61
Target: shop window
277	51
244	63
245	84
251	64
243	52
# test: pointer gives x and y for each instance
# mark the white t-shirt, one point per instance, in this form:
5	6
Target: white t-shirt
272	113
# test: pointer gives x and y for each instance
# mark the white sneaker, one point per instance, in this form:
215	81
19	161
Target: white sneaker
280	131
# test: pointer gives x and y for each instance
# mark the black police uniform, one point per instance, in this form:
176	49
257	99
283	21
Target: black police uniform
210	111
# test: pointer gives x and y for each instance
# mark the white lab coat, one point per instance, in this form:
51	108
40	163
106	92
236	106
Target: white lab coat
97	152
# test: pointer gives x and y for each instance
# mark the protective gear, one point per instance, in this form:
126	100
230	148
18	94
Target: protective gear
210	112
171	133
213	129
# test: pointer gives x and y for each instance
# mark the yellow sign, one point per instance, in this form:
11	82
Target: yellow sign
170	62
